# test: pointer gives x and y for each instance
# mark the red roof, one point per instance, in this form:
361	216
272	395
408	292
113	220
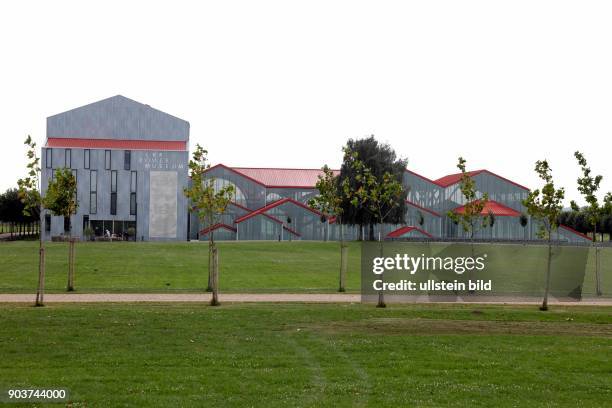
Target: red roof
265	208
216	227
404	230
494	207
281	177
451	179
116	144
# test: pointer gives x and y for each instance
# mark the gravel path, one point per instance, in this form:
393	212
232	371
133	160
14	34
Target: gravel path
249	297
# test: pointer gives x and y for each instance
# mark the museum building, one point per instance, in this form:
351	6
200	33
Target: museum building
131	165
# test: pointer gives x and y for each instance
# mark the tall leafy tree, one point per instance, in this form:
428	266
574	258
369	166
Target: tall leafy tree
210	204
380	158
61	200
329	202
471	220
545	205
31	196
379	196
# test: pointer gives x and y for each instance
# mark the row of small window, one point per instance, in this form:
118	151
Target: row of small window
127	159
93	192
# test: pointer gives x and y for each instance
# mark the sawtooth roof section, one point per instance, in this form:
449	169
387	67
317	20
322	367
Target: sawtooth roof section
451	179
282	177
406	229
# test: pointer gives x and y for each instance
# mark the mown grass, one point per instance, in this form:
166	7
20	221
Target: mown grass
278	267
310	355
182	266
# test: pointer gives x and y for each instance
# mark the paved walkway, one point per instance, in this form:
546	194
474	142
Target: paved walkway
252	297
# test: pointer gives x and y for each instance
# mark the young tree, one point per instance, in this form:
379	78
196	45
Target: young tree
210	203
31	196
545	205
61	201
471	220
379	196
329	202
588	187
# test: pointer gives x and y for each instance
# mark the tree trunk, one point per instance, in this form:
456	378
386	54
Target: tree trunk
211	245
343	260
371	232
597	277
70	286
381	295
544	306
360	235
40	291
215	289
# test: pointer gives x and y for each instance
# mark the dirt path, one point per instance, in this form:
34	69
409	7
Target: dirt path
240	297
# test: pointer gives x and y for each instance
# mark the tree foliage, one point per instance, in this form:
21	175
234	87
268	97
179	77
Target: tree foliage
545	204
60	198
379	196
380	159
330	197
471	219
29	186
206	200
588	185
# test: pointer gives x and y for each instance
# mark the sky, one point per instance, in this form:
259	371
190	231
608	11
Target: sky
286	83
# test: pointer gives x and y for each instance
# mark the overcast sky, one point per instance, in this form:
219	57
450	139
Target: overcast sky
286	83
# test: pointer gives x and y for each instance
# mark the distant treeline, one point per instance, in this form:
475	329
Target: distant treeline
578	220
12	219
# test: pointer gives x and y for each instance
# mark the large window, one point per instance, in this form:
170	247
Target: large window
107	159
113	204
68	158
133	187
86	159
76	185
49	158
127	160
93	192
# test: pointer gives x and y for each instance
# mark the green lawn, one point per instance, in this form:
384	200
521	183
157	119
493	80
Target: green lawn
276	267
310	355
152	267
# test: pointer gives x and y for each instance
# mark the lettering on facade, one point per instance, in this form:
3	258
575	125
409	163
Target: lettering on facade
159	161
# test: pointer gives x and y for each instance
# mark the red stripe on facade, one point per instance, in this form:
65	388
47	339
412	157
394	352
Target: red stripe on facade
82	143
216	227
565	227
434	182
432	212
276	204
